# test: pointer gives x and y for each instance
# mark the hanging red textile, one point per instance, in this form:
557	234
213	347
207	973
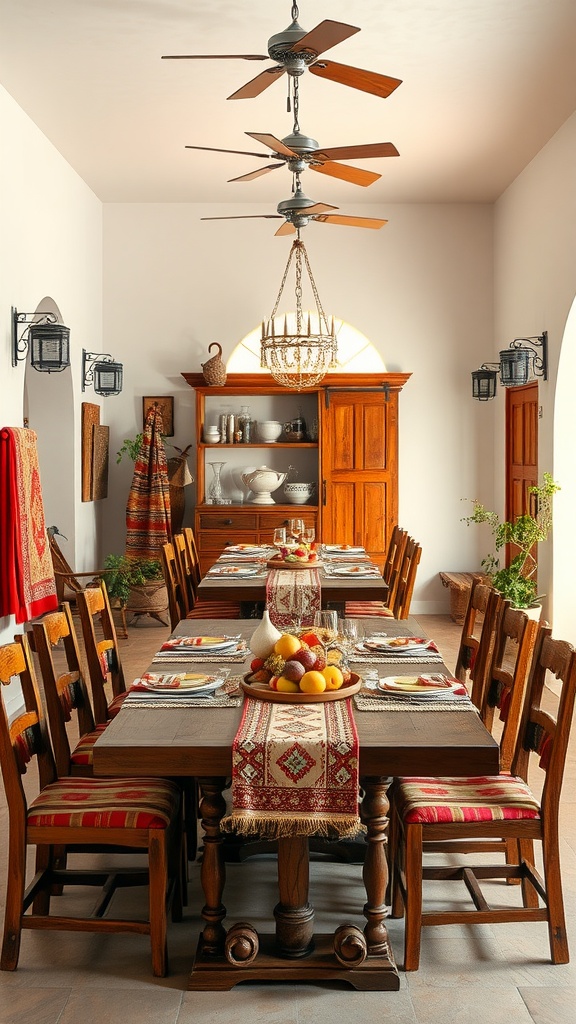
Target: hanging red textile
27	585
148	507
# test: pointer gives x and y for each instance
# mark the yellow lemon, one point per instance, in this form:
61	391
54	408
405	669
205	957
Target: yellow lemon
333	676
312	682
287	645
286	685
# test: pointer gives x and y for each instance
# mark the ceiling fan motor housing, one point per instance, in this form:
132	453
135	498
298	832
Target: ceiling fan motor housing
300	143
280	46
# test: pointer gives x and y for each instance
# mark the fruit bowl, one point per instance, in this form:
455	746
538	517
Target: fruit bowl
261	691
281	563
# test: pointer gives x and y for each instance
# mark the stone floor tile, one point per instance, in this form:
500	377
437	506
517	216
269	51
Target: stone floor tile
32	1005
550	1005
464	1005
129	1006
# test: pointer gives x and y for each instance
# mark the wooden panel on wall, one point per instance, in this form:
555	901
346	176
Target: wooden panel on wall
90	419
101	437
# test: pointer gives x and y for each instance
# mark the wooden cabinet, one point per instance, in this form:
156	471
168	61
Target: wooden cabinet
354	462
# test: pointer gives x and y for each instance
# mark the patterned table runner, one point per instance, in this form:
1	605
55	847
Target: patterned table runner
295	770
293	596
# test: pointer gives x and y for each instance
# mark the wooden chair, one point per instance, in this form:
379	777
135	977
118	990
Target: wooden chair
65	692
470	637
501	807
178	606
188	572
192	553
68	582
85	816
391	576
407	579
102	651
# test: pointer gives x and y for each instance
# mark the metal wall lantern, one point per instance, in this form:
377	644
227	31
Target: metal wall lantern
518	365
47	341
99	369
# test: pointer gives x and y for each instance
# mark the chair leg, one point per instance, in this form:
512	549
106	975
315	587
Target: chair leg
559	952
13	913
413	868
158	873
524	853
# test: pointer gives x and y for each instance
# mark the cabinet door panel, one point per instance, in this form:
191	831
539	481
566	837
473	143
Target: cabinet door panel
342	513
343	437
374	438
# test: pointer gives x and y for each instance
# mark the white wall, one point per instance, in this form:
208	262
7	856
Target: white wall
535	286
420	290
50	246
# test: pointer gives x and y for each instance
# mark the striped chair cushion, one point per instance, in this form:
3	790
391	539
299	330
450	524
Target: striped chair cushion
116	703
82	753
215	610
362	608
76	802
484	798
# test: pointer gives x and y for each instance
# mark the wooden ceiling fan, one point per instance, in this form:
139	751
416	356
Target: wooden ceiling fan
299	210
295	51
298	152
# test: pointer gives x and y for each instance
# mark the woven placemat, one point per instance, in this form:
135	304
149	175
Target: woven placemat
368	700
424	658
187	656
227	696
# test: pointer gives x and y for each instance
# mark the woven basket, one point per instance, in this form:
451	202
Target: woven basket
214	370
148	597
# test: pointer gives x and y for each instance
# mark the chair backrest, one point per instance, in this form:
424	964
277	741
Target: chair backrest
193	553
176	604
471	628
65	691
26	737
101	646
508	678
540	731
394	555
482	650
407	579
185	571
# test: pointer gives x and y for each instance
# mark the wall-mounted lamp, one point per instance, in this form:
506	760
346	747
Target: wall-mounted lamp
102	372
517	366
47	340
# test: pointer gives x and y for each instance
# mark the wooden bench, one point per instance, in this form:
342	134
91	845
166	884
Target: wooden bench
459	584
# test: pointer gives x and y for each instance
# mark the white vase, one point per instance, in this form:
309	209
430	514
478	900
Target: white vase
264	637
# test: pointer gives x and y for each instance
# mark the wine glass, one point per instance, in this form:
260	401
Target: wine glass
308	534
348	630
296	529
327	622
279	537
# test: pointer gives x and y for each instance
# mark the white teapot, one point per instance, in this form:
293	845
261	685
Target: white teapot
262	482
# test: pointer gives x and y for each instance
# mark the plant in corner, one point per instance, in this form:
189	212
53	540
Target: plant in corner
516	581
125	572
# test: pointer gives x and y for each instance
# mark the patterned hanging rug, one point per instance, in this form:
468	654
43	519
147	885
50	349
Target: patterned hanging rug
295	771
148	524
27	586
293	596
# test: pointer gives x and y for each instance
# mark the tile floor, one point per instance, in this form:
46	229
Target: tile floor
475	974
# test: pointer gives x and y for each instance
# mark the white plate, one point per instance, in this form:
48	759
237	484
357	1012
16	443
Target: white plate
206	643
354	570
411	646
179	688
410	687
233	570
342	547
244	549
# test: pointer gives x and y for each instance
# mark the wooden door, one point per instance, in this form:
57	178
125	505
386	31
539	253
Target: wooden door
359	467
521	449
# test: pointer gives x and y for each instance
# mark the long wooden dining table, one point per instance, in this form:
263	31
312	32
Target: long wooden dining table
197	742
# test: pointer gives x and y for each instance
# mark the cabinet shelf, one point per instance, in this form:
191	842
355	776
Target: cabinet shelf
261	444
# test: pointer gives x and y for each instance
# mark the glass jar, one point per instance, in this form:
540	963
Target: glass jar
245	420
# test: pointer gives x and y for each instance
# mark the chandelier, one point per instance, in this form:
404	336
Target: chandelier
298	348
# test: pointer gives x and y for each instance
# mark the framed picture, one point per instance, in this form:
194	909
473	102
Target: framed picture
166	403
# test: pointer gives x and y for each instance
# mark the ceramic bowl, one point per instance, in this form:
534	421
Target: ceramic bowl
298	492
269	430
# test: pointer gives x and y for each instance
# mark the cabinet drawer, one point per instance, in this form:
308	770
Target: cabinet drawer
225	520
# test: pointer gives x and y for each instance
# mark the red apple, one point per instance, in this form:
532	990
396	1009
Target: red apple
262	675
320	663
256	663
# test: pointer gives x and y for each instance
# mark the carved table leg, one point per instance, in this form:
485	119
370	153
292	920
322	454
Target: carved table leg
213	872
374	811
294	914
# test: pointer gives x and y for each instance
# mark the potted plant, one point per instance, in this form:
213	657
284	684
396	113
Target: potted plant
136	583
516	581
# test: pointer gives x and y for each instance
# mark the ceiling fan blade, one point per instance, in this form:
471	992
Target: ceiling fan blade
352	174
239	152
371	149
215	56
351	222
366	81
324	36
258	84
272	143
248	216
286	229
256	174
318	208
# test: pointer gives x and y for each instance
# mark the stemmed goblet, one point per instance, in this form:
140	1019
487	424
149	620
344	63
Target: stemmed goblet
327	622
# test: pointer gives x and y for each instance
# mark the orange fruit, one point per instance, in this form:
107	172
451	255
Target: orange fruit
284	685
333	676
287	645
313	682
